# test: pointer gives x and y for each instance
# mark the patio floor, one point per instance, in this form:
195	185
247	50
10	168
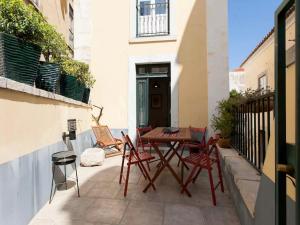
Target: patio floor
102	201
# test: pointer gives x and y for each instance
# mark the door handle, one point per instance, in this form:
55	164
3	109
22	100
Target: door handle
288	169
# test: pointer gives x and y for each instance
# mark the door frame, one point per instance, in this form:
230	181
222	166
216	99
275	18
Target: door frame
284	153
174	74
148	76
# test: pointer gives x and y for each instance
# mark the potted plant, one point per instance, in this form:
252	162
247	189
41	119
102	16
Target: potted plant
54	48
88	81
20	28
223	121
75	79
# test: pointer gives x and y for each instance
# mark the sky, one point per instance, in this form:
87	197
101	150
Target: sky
249	22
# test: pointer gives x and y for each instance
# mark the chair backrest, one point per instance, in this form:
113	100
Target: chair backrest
199	134
211	145
103	135
140	132
127	141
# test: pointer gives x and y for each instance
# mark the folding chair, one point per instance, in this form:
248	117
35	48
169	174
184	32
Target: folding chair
134	158
204	159
198	139
105	139
143	144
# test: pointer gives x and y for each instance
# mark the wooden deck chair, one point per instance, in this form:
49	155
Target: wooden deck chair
106	141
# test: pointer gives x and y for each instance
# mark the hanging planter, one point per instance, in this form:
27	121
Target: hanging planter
70	87
86	95
48	75
19	60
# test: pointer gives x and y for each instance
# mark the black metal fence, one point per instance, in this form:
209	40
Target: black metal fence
153	19
252	128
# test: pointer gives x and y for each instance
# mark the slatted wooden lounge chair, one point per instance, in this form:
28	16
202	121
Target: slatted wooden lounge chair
112	146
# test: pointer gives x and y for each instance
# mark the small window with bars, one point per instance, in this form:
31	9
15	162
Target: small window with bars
152	18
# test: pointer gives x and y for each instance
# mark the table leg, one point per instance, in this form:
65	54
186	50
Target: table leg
160	169
180	157
165	164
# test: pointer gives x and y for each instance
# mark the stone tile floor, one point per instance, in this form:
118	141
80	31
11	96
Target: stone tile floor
102	201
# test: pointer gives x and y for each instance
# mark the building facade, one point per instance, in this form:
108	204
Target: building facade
60	14
156	62
237	80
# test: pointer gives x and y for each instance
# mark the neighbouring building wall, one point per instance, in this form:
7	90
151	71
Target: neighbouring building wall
57	13
261	62
198	59
32	124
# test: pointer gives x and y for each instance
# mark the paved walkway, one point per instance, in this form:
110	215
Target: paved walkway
102	201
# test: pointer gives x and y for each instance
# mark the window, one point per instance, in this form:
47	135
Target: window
262	83
71	26
152	18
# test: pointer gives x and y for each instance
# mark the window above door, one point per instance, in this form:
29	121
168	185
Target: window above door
152	18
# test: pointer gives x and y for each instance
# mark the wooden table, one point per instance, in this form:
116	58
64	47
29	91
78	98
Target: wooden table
175	141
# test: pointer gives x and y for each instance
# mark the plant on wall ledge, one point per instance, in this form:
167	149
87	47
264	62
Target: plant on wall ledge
20	30
78	69
76	74
21	20
53	44
223	120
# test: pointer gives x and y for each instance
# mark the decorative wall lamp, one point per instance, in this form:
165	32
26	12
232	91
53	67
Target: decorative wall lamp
71	129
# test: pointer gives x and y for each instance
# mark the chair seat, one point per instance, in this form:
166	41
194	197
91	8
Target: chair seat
144	156
198	159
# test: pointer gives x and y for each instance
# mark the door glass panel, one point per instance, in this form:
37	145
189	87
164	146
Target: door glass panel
159	69
160	7
145	8
142	102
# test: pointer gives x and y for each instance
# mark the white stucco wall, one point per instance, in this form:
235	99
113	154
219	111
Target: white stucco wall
217	54
82	30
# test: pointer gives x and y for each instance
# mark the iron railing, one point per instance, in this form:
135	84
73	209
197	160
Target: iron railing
153	19
252	128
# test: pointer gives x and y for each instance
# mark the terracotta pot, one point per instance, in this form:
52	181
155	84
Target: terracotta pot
224	142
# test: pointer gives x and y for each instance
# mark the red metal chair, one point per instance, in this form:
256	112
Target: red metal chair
134	158
198	139
143	144
204	159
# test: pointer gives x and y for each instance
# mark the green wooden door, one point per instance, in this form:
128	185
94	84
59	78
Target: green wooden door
142	102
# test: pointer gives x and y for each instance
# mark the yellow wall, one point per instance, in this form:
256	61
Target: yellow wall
29	122
262	61
111	49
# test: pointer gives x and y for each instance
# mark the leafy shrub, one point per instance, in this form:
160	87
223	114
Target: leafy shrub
53	44
78	69
24	22
223	120
21	20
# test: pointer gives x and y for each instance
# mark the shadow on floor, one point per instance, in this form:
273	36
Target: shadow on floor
102	201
